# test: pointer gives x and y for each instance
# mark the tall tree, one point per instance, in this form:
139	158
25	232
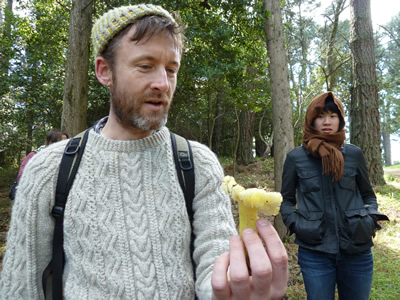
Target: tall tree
75	98
364	110
280	90
280	94
388	60
245	149
300	32
332	59
5	53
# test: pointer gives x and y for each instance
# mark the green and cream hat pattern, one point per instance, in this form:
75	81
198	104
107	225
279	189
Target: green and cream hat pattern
108	25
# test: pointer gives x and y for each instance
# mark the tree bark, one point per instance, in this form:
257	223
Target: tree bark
280	90
29	132
217	132
364	110
7	44
280	94
76	84
387	148
245	150
331	80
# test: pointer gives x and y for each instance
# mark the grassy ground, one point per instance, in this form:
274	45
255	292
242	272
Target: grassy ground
386	283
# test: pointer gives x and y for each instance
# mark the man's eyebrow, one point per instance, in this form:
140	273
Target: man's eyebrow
152	58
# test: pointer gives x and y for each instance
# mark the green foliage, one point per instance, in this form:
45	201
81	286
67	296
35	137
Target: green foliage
224	65
387	243
7	176
224	70
33	83
308	49
388	62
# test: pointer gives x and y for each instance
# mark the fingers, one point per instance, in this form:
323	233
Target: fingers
219	280
261	269
239	275
278	257
269	266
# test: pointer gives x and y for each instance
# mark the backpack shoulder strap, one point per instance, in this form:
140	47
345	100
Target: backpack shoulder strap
183	157
72	156
184	165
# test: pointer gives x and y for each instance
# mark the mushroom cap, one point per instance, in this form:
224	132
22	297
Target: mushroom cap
236	190
266	202
227	184
274	203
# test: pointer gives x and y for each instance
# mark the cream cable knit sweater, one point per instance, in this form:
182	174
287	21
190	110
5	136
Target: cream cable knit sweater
126	230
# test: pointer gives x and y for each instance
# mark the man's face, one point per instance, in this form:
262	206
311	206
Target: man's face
144	81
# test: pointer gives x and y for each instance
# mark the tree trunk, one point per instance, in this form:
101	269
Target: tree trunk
331	80
75	98
29	132
217	132
245	150
263	143
261	147
364	110
387	148
5	55
280	90
280	94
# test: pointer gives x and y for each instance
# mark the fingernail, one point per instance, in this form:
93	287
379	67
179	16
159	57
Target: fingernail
235	238
262	222
247	231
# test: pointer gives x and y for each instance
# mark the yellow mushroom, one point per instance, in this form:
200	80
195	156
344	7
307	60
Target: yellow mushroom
251	201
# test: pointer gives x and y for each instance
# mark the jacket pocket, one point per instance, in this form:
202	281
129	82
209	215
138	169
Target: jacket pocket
309	181
309	227
348	181
359	226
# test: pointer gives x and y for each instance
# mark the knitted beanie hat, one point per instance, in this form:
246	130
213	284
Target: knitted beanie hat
113	21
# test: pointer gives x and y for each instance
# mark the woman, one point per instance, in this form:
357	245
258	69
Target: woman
53	136
328	202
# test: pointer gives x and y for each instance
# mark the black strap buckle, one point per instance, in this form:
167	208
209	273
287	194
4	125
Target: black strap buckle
57	212
72	146
184	161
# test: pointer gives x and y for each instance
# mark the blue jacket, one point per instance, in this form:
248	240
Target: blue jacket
326	215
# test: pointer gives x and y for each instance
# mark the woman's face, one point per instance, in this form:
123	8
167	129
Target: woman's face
327	123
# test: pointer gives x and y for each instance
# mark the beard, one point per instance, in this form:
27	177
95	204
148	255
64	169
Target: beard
127	108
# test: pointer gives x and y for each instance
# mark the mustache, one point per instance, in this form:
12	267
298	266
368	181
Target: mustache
154	95
144	97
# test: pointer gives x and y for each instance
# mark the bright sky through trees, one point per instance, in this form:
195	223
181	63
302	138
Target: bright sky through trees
382	12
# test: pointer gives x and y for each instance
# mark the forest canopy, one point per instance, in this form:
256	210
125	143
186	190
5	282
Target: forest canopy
223	97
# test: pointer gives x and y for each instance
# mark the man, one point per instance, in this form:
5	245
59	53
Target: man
126	229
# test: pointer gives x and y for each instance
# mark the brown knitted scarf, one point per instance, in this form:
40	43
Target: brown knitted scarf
325	146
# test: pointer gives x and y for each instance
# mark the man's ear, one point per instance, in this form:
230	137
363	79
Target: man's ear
103	71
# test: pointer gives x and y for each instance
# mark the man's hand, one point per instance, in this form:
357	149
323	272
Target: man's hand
269	266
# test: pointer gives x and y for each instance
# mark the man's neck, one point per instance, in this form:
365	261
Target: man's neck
115	130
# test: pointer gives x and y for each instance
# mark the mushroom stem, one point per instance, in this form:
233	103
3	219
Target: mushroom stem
247	217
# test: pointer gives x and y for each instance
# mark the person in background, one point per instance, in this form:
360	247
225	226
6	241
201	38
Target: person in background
328	202
126	227
52	137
